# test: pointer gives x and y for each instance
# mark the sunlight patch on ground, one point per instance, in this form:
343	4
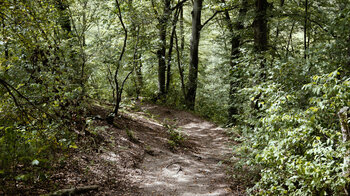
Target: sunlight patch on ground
110	156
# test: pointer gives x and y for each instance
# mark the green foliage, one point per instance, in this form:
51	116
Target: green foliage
131	135
300	150
41	88
54	55
176	138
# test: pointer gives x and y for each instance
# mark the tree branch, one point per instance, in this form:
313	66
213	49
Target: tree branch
154	8
313	21
8	87
209	19
124	28
179	4
11	94
126	78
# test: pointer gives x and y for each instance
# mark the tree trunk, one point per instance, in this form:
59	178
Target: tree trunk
193	67
348	68
290	39
139	78
119	87
181	70
182	34
260	40
343	115
260	26
171	45
305	28
180	51
163	23
234	54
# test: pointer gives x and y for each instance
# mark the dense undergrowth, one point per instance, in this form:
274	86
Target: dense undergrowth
299	148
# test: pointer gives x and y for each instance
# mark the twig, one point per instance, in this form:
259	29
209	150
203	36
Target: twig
73	191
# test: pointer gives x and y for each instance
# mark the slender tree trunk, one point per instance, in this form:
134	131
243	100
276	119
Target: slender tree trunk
171	45
180	67
136	61
343	115
139	78
305	28
5	40
182	34
290	39
82	52
348	68
119	86
193	67
161	53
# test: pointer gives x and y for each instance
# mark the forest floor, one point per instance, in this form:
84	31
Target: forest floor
197	168
134	156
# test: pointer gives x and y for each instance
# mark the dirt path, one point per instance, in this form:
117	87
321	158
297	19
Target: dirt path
133	157
191	172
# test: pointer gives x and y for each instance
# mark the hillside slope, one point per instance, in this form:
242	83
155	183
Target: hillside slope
135	156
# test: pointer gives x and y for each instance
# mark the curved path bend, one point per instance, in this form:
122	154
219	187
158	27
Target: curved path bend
192	172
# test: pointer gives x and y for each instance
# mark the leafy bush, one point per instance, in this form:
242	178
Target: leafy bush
176	138
300	148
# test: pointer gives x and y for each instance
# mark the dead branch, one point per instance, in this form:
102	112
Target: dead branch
74	191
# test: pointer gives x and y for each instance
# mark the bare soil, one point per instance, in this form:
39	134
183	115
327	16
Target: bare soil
200	170
134	157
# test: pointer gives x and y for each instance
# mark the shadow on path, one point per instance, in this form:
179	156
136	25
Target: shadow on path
199	172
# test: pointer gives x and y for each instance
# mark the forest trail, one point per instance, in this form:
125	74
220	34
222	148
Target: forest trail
200	170
133	156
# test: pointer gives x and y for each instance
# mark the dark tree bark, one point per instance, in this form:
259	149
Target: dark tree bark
290	39
171	45
348	68
305	28
343	115
260	26
192	83
182	34
235	41
180	67
180	50
119	86
260	40
161	52
139	77
193	67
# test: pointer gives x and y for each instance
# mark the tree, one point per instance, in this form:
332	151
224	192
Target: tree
261	35
234	28
197	26
163	20
119	86
193	66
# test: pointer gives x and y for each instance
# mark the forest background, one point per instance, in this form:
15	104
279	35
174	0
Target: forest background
276	72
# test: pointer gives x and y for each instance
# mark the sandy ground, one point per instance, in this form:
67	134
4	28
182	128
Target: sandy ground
197	171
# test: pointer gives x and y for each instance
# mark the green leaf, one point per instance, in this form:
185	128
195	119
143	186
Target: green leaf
20	177
35	162
73	146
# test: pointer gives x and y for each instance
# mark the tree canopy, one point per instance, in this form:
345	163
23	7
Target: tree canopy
275	72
